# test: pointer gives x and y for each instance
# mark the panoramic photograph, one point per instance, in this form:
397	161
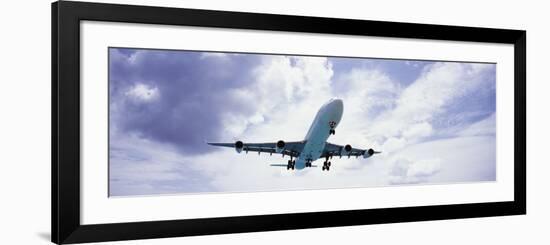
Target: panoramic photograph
203	122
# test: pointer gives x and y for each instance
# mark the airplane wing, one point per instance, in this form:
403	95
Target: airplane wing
289	149
339	150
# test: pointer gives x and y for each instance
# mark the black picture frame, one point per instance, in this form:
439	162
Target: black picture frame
65	168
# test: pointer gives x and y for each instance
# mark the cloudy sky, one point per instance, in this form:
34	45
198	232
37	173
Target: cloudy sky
433	121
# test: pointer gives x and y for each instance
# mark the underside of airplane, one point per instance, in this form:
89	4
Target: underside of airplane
314	146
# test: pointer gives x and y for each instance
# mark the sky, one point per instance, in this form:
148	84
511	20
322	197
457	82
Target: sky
433	121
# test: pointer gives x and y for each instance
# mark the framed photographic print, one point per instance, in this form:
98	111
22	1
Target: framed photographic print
176	122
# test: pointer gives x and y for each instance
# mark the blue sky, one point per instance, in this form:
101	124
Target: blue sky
434	121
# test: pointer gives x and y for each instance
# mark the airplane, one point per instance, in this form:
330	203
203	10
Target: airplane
313	147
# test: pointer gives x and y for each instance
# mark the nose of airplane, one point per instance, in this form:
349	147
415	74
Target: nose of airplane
338	103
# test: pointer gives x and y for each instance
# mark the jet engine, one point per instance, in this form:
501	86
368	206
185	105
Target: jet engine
347	149
368	153
239	145
280	146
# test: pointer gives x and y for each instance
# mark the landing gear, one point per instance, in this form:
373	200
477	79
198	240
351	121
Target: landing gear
290	165
332	125
308	164
326	164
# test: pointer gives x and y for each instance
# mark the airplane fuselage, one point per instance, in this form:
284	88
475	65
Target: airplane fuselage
314	146
326	120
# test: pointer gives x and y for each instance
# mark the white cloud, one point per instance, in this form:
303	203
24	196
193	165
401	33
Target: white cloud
142	92
403	172
287	94
486	126
366	91
290	79
373	87
409	171
422	101
424	168
393	144
138	166
457	159
418	130
205	55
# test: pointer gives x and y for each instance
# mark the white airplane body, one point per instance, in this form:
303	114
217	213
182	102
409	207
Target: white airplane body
314	146
319	131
